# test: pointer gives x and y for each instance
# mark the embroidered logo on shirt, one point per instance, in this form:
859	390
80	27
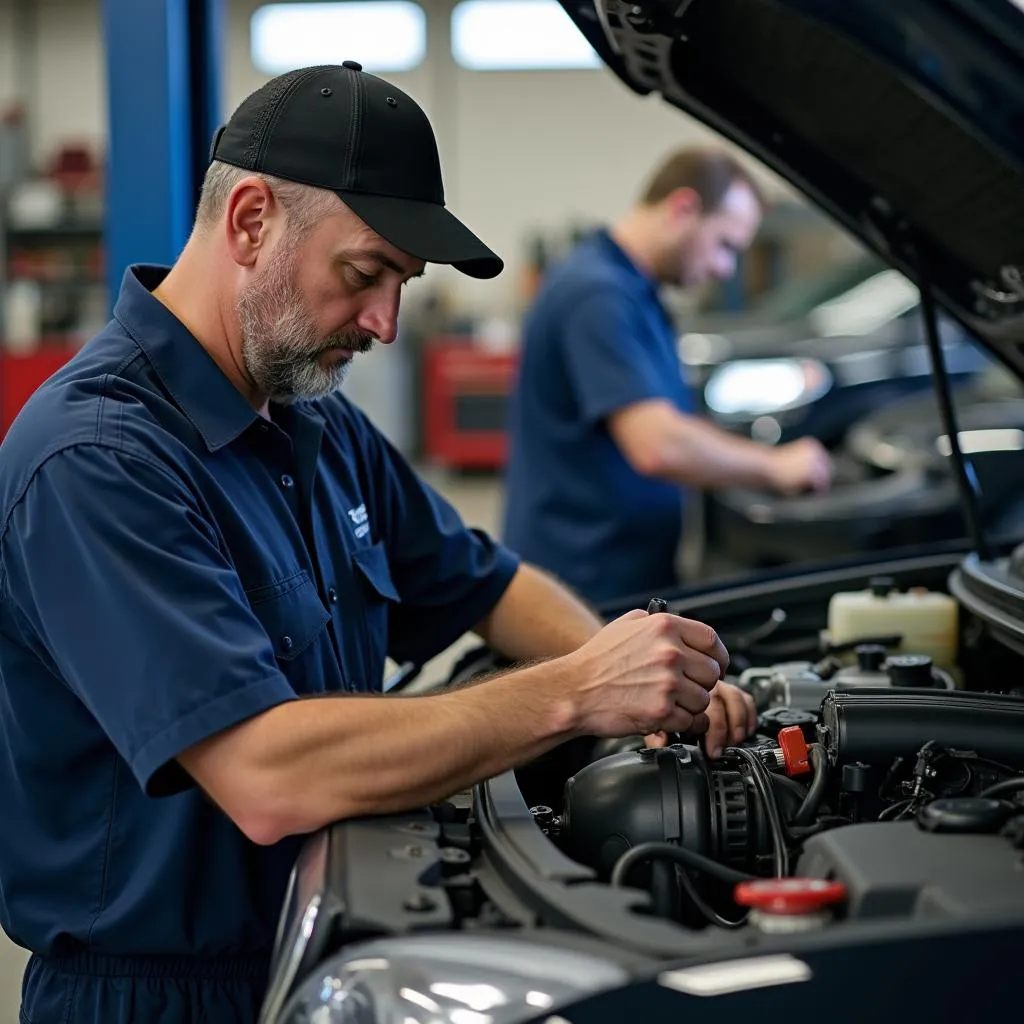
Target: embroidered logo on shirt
360	520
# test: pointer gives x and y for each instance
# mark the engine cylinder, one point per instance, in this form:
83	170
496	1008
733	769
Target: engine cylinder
878	725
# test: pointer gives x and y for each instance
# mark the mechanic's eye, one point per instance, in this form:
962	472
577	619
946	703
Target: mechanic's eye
360	279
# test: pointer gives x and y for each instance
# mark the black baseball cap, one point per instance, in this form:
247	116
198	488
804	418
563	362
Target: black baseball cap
337	127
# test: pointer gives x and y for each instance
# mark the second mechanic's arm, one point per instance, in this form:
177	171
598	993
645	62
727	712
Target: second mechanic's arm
659	440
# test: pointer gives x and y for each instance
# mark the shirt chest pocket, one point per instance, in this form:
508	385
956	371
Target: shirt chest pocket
377	593
291	612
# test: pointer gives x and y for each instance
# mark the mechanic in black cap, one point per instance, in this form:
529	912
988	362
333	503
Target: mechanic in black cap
197	532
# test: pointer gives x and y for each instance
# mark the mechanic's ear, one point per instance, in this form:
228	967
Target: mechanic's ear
684	203
248	215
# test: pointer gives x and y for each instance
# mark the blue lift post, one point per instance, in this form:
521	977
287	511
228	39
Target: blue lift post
164	105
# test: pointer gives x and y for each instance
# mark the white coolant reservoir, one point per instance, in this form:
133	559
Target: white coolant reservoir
926	619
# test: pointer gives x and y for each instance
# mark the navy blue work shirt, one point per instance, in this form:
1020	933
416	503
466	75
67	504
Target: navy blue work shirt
171	563
597	339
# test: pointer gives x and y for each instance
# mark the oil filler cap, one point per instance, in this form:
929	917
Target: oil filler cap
910	670
774	720
964	814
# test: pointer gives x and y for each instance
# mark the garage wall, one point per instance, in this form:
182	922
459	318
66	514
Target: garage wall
521	151
6	61
57	72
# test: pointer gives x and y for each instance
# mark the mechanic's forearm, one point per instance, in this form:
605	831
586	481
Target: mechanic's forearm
538	617
307	763
700	454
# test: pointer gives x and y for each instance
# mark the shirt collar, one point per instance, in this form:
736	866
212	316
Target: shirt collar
621	257
214	406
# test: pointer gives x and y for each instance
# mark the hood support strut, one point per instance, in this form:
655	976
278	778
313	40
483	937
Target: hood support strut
963	470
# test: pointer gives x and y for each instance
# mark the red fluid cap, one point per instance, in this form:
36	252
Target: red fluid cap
794	750
789	895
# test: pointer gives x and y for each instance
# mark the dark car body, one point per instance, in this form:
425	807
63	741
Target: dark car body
862	341
905	122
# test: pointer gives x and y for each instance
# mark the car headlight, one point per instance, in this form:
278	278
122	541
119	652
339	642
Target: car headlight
755	387
447	979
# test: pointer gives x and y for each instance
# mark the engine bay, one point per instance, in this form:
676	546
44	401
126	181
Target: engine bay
902	796
886	780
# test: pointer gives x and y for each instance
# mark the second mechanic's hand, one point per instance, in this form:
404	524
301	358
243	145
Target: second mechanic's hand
803	465
646	673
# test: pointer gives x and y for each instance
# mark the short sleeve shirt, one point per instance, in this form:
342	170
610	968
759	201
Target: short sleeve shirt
596	340
172	563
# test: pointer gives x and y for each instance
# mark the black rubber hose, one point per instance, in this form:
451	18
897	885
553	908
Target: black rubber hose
817	791
710	914
1007	786
791	784
678	854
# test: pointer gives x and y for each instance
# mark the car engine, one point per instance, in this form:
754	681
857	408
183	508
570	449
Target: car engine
886	775
885	799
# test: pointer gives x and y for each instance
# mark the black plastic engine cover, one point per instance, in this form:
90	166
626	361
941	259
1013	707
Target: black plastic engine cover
896	869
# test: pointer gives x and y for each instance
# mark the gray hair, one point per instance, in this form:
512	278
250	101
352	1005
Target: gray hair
303	204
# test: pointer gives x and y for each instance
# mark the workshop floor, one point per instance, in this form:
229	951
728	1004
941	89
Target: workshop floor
479	500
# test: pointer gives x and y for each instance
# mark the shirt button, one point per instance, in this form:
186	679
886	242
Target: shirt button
287	643
332	595
286	480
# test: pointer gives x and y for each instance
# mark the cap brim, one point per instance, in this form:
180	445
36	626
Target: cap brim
425	230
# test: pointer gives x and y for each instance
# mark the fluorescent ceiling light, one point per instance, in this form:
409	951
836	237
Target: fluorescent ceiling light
382	35
518	35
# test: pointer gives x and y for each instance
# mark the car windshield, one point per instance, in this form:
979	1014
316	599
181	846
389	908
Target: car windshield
799	296
866	307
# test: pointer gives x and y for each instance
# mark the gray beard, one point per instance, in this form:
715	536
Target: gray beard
281	346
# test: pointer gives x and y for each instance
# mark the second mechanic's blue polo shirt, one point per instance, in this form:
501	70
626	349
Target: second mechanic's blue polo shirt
596	340
170	565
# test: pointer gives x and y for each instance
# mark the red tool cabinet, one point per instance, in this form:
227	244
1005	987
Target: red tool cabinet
465	400
20	375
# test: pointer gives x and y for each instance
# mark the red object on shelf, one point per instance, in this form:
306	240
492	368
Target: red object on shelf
789	895
20	375
464	404
794	750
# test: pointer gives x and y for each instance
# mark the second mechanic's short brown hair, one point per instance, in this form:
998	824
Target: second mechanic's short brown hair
709	172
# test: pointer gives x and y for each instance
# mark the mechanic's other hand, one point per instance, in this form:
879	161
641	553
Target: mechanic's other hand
731	717
803	465
646	673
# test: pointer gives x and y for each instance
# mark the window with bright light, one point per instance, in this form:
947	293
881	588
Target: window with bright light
382	35
518	35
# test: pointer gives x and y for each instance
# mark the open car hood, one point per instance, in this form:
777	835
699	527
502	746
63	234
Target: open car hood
902	120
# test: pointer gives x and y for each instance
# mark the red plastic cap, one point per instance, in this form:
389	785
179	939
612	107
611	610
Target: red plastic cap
789	895
794	750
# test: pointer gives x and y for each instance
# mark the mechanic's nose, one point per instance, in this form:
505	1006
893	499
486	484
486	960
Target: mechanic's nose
379	317
726	266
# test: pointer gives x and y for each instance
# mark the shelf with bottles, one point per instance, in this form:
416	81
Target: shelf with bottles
53	291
